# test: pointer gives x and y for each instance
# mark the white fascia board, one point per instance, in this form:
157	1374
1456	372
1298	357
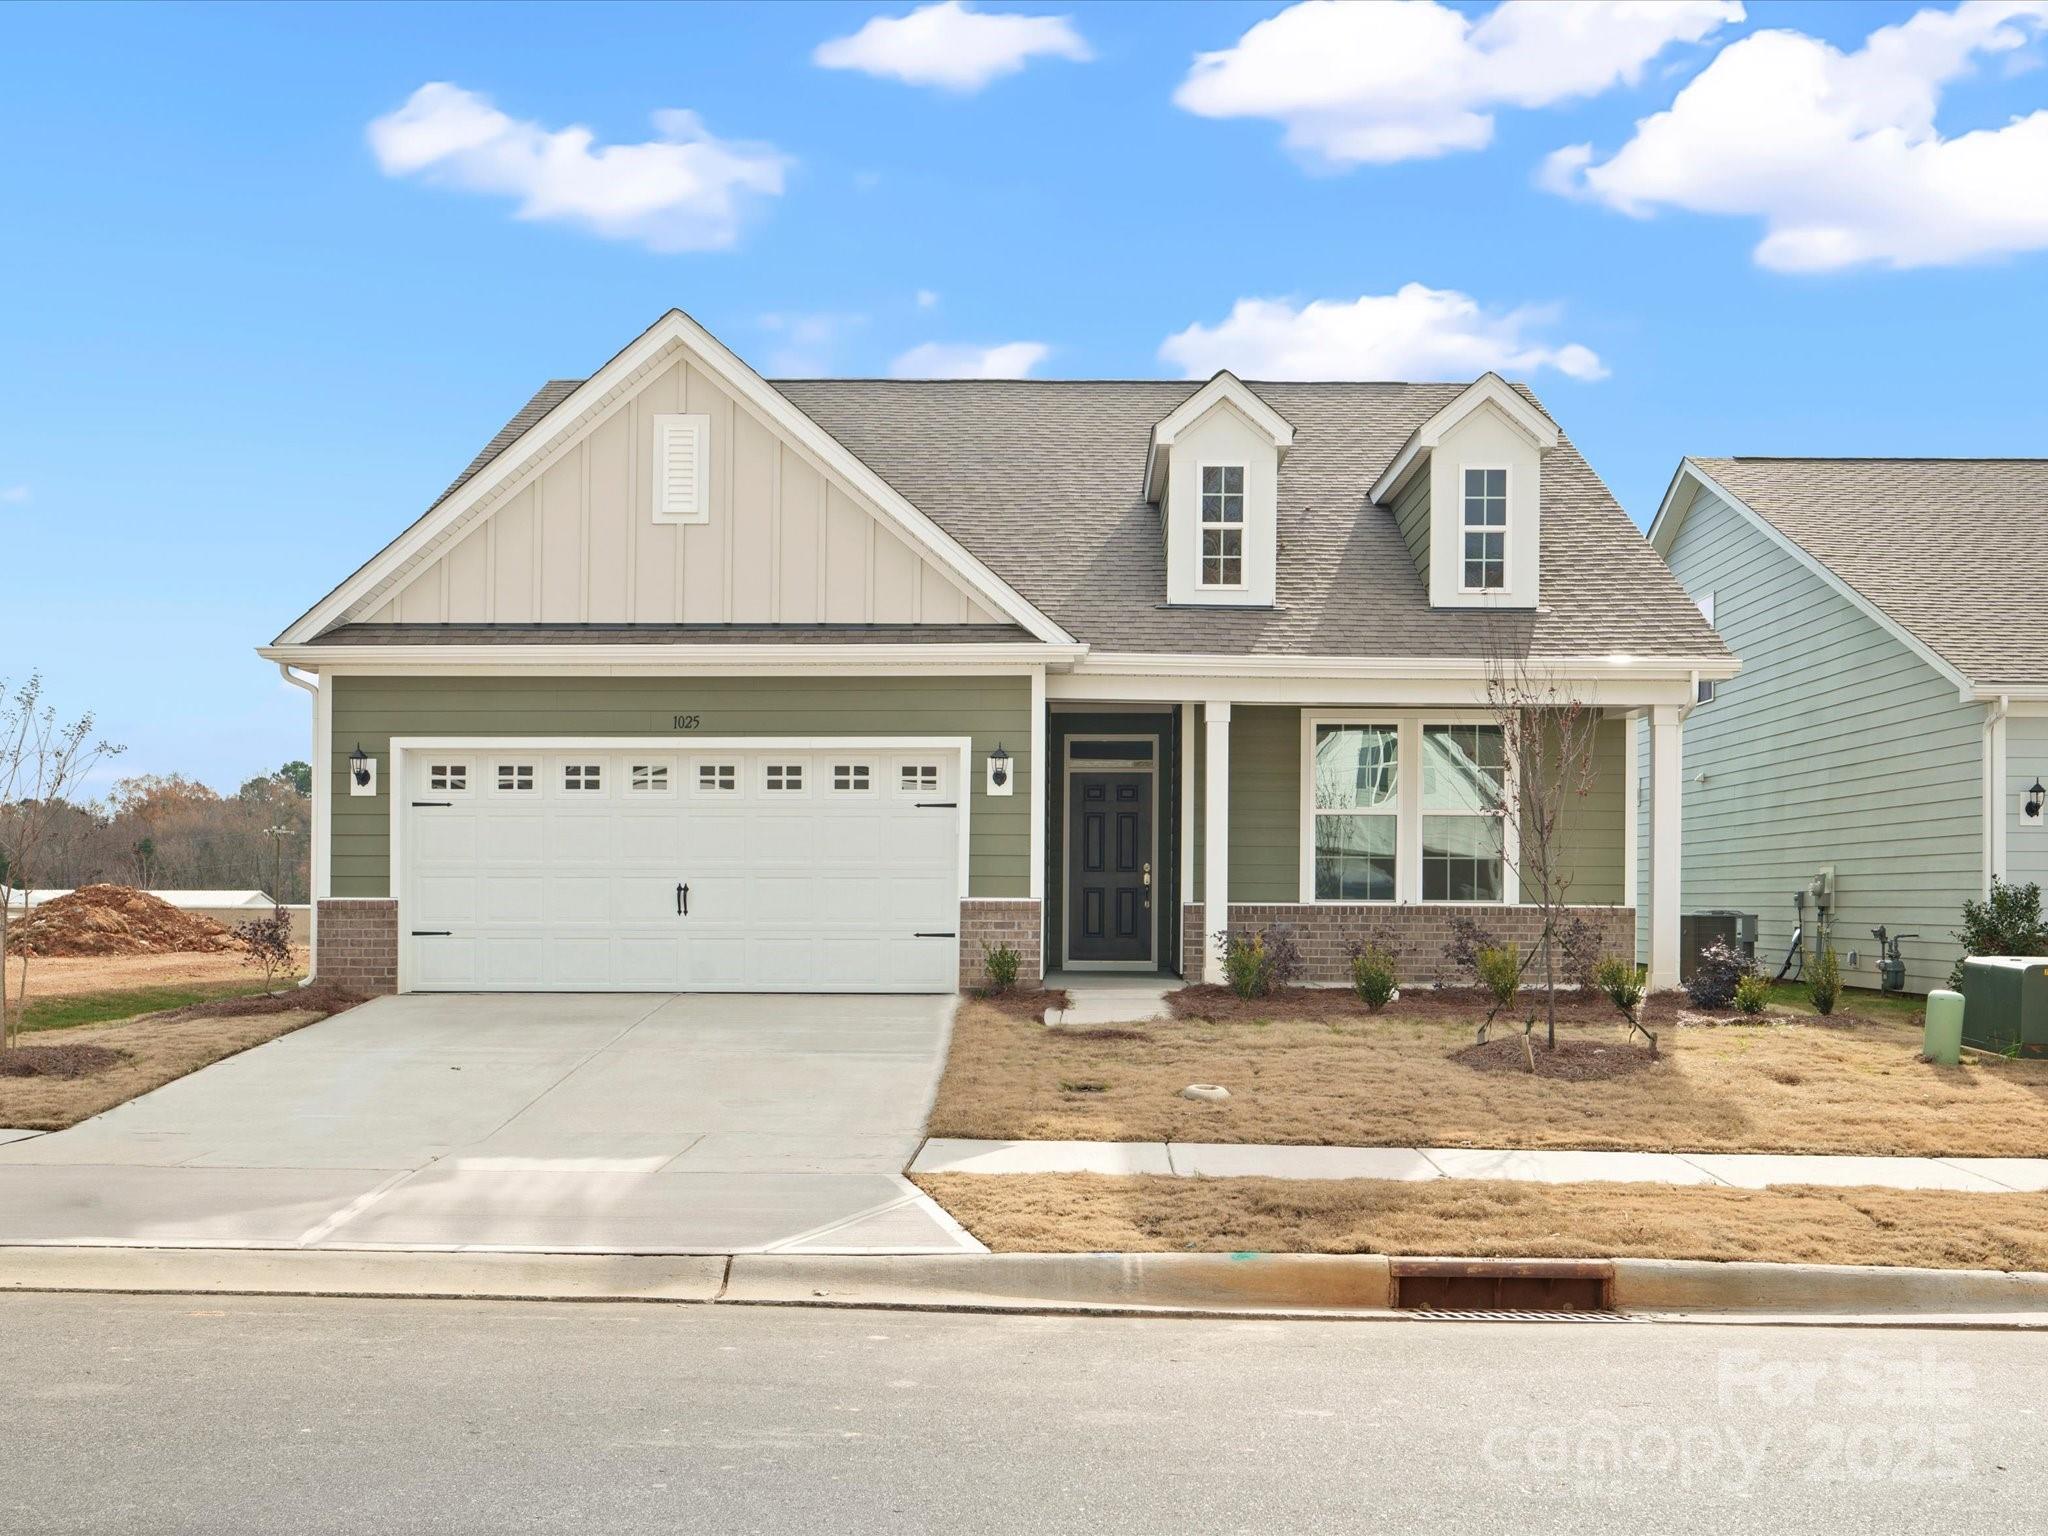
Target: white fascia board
1689	470
1610	694
729	659
1224	388
1487	389
1716	668
672	329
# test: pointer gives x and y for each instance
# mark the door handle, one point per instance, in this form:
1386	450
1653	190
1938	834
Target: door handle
682	901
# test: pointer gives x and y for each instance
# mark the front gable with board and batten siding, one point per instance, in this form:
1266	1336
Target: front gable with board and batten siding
675	487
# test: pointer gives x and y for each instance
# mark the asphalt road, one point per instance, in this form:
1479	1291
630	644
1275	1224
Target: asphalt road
224	1415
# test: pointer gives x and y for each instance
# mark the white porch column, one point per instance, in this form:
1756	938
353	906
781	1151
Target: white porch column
1215	837
1666	750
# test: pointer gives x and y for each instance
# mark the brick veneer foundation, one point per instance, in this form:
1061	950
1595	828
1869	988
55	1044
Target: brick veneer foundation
1417	935
357	946
1017	922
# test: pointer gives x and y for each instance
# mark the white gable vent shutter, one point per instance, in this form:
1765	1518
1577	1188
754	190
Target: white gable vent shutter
682	468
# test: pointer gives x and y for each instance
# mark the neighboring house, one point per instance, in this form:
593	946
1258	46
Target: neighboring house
1890	723
695	681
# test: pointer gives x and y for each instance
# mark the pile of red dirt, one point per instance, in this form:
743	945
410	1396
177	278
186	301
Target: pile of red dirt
114	920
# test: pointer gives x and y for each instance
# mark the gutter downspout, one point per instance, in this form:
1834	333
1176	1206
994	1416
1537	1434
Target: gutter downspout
1994	788
319	767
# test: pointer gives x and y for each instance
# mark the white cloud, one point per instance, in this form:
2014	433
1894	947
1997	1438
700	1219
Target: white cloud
955	360
926	299
685	190
1414	333
1838	153
1374	84
14	495
951	47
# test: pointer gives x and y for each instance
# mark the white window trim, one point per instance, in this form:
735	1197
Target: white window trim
1408	798
1505	530
868	765
665	766
1242	525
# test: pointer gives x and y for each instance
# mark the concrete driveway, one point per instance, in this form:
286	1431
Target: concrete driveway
601	1124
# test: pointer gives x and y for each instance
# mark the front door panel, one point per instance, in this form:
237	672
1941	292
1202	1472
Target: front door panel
1109	866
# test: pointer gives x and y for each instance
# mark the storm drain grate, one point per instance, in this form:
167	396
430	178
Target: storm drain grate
1514	1315
1517	1287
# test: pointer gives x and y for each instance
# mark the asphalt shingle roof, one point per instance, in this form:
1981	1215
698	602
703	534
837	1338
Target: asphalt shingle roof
1951	550
1042	480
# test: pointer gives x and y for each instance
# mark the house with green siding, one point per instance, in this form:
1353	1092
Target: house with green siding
696	681
1889	727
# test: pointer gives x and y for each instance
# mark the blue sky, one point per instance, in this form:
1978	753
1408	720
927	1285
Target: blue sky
243	345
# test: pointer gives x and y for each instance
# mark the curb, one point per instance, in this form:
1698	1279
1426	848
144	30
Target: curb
1160	1284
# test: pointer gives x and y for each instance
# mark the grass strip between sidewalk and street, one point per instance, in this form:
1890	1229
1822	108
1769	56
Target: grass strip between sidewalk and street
1099	1213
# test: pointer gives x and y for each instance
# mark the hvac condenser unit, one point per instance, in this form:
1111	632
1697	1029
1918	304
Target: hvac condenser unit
2005	1003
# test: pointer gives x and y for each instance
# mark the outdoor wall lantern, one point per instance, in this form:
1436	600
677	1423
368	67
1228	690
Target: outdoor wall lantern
999	771
362	772
2037	797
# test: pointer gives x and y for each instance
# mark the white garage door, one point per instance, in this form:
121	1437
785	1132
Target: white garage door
760	868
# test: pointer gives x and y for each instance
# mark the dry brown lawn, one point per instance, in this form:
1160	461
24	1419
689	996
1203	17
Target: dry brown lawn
153	1050
1094	1213
72	976
1790	1085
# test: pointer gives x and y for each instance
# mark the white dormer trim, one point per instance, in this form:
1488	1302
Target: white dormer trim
1224	387
676	329
1488	389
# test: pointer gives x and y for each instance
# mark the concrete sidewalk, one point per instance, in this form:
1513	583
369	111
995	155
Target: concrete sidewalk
1740	1170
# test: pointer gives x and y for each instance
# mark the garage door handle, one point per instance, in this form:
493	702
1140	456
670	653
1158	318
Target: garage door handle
433	933
935	935
682	901
938	805
443	804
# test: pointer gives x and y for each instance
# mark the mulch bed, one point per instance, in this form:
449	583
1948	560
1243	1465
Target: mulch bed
1025	1002
1574	1061
58	1060
319	997
1458	1005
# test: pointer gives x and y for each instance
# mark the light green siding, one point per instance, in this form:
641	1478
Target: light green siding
1265	800
372	710
1591	831
1411	516
1836	743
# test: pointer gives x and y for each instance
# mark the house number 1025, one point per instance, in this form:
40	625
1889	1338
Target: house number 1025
686	722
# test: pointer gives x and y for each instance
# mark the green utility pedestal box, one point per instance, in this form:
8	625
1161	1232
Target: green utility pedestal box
2006	1003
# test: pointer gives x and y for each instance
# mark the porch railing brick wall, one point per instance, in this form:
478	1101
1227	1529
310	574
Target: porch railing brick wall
1417	935
357	944
1017	922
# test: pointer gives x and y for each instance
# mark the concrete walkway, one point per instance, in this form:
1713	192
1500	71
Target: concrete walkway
561	1124
1739	1170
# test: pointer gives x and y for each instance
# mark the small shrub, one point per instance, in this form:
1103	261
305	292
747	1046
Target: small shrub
1003	964
1715	974
267	942
1500	972
1461	955
1824	982
1373	976
2008	922
1752	992
1255	963
1625	984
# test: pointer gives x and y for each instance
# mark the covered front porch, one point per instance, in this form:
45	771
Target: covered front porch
1166	821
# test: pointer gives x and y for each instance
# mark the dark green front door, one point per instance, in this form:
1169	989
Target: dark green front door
1109	866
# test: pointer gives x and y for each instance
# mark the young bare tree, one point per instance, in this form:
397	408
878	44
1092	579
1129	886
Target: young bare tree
1551	733
40	763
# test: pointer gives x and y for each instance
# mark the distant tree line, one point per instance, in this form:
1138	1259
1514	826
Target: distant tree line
165	831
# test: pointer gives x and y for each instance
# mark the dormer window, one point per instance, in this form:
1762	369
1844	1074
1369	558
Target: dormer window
1485	530
1222	525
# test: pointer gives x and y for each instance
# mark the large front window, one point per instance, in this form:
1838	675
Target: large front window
1464	776
1357	811
1486	530
1222	525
